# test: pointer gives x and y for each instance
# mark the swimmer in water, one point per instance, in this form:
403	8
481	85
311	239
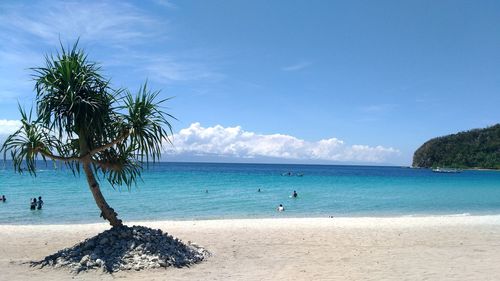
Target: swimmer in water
280	208
294	195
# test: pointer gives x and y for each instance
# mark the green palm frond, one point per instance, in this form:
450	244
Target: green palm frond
25	142
147	122
119	166
80	117
71	93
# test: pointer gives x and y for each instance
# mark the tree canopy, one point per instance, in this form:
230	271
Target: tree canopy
479	148
85	123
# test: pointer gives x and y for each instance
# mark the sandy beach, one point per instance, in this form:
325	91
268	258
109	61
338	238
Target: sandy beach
404	248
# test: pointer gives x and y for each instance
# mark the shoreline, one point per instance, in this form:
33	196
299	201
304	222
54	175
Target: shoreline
482	169
463	218
464	169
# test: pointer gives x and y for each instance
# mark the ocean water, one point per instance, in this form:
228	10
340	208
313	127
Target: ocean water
177	191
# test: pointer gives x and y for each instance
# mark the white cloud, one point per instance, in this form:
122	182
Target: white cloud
165	3
166	69
297	66
236	142
8	127
123	35
28	31
111	22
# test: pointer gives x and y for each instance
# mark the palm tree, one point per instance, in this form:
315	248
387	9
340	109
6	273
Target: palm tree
84	123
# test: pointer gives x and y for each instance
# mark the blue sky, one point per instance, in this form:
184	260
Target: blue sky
278	81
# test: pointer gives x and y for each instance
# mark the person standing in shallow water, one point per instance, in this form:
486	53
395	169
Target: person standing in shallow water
33	204
40	203
294	195
3	199
280	208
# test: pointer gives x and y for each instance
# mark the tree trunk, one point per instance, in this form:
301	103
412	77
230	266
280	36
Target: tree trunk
106	211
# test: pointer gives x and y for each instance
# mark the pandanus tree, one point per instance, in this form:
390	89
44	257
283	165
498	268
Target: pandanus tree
85	124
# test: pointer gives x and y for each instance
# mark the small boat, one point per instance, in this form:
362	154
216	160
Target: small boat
445	170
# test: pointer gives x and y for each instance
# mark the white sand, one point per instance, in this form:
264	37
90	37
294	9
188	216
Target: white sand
407	248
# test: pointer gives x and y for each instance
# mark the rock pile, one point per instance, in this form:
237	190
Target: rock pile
126	248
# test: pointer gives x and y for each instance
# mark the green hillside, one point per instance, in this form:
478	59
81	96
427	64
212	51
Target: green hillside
479	148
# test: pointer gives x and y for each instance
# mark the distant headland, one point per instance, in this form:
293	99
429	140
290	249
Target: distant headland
474	149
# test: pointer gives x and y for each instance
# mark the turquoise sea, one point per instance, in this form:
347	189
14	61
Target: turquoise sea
178	191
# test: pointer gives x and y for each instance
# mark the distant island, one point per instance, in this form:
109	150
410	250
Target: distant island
478	148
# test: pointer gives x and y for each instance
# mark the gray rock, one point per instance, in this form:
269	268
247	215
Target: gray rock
84	260
99	262
90	244
127	248
108	251
126	267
